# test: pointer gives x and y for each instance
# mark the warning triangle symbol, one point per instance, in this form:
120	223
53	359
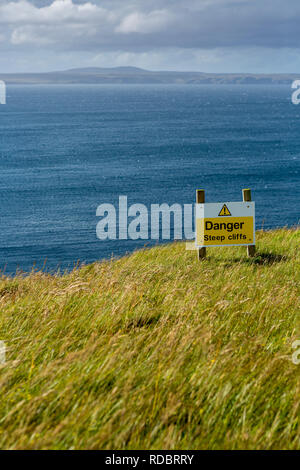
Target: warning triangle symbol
224	211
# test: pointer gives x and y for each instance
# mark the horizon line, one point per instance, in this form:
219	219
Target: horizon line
132	67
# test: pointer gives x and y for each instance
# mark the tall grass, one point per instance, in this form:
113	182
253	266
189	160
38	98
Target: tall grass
155	350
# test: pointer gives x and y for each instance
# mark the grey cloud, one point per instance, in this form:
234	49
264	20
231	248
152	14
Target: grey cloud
142	25
159	29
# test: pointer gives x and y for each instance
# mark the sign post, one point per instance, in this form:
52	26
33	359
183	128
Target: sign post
225	223
247	198
200	199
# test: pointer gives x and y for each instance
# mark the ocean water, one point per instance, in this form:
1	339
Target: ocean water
66	149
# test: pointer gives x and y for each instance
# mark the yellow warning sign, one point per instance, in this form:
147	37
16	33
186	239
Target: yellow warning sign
224	211
222	231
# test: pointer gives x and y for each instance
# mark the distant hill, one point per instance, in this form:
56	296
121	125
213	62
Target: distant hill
134	75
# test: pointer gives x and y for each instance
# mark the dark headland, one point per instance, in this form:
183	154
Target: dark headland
134	75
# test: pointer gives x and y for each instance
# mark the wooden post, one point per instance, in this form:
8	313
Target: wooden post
200	199
246	198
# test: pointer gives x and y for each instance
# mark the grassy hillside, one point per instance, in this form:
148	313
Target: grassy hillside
155	350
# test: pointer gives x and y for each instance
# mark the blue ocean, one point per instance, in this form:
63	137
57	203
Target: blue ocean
66	149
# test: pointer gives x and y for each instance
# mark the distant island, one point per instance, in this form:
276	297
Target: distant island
134	75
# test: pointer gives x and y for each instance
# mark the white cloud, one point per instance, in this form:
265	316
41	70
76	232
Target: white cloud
62	22
59	11
145	23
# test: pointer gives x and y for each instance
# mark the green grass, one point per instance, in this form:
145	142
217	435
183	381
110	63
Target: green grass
155	351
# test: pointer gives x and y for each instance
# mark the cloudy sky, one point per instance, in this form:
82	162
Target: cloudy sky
203	35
